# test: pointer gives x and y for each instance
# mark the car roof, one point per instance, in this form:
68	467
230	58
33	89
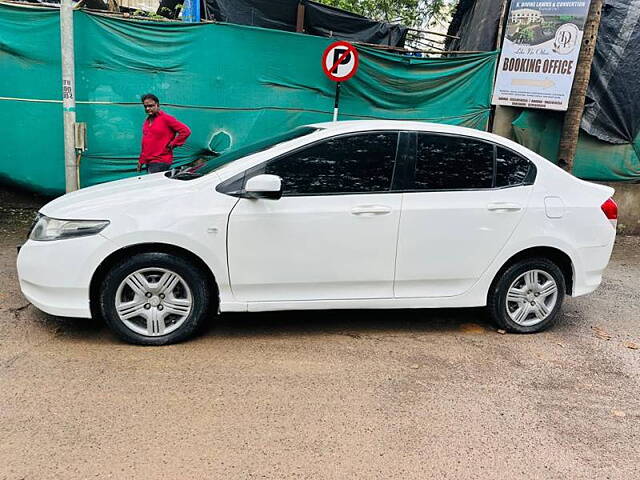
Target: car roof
365	125
358	125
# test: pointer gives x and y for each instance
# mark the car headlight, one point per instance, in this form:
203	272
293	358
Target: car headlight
46	229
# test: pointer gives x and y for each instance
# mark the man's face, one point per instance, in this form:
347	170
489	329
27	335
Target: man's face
150	106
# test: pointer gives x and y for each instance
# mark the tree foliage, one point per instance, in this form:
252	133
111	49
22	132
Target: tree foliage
412	13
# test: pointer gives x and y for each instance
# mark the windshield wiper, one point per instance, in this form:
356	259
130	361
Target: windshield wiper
185	175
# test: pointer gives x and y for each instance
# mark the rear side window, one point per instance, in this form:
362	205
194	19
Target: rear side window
452	163
511	168
358	163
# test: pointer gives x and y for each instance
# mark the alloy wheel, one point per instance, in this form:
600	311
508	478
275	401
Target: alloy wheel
531	298
153	301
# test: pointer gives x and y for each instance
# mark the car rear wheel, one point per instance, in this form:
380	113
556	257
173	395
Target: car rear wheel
528	296
154	299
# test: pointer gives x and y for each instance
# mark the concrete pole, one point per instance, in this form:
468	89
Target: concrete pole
68	94
573	117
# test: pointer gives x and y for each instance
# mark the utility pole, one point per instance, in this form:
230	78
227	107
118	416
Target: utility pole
573	116
68	94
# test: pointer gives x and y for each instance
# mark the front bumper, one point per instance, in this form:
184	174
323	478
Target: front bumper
55	276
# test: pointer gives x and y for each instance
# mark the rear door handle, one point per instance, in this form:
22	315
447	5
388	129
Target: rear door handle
369	210
504	207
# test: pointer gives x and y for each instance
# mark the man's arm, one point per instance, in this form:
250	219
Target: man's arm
141	161
181	130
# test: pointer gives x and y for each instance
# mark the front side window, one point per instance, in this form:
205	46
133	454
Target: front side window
511	168
452	163
358	163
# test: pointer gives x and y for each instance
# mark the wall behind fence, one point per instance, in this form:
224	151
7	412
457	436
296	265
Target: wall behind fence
231	84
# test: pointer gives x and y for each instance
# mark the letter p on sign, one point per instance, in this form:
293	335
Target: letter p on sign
339	58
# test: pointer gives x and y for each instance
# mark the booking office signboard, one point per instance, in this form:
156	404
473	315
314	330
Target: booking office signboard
540	53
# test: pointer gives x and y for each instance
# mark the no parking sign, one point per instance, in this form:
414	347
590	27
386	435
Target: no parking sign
339	63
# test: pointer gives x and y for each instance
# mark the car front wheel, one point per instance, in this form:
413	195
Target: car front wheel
154	299
528	296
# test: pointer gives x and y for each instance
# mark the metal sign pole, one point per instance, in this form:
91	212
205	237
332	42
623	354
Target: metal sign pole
68	94
335	105
337	55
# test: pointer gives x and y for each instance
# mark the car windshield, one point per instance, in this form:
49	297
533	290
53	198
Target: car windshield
234	154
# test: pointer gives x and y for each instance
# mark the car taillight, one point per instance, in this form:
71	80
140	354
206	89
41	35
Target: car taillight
610	209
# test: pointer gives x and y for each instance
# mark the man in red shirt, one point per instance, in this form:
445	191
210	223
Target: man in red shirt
161	133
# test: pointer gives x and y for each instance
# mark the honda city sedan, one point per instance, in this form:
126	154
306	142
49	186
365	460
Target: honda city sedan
345	215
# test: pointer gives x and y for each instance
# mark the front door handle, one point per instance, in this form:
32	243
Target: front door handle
369	210
504	207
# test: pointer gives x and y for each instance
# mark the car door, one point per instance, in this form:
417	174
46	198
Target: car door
333	233
462	204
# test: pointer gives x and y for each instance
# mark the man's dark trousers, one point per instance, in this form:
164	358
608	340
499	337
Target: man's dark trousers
156	167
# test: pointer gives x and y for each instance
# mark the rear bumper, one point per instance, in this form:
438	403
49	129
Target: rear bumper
55	276
589	267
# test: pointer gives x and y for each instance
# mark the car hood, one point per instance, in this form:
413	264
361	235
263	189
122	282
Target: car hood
100	201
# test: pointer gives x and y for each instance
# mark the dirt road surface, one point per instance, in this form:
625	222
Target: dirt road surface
323	395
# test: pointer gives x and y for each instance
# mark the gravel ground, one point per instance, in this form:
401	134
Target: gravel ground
368	394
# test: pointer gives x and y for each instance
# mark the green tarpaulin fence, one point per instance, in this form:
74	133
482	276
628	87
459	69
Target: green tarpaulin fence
231	84
595	159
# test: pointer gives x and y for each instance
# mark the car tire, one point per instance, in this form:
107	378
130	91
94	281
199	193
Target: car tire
527	296
154	299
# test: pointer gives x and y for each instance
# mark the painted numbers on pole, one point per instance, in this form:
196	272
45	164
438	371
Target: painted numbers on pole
340	61
67	89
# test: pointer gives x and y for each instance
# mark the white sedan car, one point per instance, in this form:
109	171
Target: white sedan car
362	214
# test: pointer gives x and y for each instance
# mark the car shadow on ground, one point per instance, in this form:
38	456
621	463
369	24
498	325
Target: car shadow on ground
357	322
353	323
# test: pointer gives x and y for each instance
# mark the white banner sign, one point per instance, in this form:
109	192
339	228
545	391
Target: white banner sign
540	52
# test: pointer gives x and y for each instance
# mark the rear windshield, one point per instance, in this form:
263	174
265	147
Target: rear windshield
244	151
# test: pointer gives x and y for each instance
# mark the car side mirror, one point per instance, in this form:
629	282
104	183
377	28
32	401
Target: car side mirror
264	186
